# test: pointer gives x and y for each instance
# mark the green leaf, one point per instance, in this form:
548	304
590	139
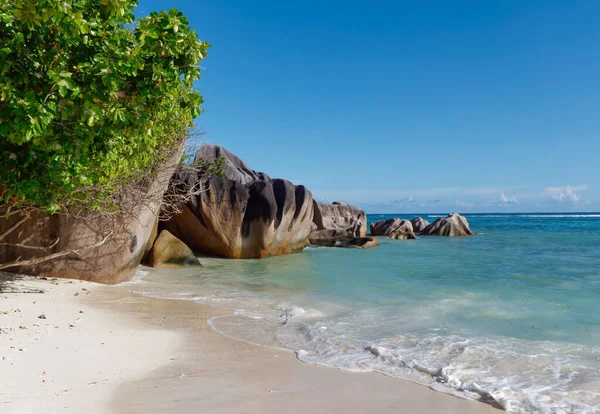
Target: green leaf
110	99
52	75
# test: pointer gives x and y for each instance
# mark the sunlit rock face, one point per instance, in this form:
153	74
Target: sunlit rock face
231	219
419	224
340	216
394	228
104	248
452	225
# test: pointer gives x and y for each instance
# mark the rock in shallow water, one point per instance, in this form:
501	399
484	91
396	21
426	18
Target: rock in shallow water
419	224
327	238
230	219
348	243
358	243
340	216
452	225
169	251
394	228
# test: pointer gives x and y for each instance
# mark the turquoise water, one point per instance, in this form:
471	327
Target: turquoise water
510	316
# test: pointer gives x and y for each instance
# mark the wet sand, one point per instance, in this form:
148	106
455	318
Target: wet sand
128	353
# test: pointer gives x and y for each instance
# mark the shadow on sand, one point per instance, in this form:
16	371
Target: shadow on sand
9	283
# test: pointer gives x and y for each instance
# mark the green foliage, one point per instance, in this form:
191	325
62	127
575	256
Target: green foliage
216	167
90	97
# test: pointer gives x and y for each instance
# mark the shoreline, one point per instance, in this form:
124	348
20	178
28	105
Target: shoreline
164	357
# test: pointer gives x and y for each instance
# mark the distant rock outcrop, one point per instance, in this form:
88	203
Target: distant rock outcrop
340	216
452	225
419	224
235	168
169	251
394	228
228	218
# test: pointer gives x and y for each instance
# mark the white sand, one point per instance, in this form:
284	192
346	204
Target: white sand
75	358
131	354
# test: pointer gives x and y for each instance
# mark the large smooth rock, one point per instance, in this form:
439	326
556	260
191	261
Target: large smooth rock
396	227
452	225
150	244
340	216
169	251
230	219
419	224
235	168
126	236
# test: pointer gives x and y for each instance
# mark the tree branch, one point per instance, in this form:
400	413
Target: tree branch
39	260
14	227
26	246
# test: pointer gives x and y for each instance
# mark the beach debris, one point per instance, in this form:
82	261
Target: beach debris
71	325
76	294
42	316
80	311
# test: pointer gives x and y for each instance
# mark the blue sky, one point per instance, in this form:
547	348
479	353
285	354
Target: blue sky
431	106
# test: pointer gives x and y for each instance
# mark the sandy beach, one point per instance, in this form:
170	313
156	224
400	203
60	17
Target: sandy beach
59	354
79	347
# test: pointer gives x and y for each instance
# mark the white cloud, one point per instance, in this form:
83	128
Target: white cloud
504	199
376	195
463	204
567	193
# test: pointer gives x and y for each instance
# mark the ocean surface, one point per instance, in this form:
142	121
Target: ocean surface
510	316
